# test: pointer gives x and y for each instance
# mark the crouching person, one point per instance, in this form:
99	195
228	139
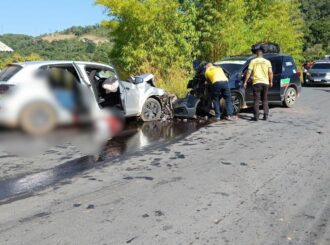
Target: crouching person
220	89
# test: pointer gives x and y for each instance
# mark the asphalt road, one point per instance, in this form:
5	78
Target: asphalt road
224	183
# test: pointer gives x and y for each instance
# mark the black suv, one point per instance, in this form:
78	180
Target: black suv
286	84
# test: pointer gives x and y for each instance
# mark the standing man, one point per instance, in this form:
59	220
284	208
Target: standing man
220	88
261	69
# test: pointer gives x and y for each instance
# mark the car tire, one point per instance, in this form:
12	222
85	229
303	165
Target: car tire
290	97
38	119
151	110
237	103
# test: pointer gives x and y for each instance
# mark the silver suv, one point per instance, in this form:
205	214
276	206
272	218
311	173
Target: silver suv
319	73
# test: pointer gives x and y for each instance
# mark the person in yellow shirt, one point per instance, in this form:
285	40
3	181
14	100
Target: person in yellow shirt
261	70
220	88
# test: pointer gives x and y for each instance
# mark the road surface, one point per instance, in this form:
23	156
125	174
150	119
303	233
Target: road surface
224	183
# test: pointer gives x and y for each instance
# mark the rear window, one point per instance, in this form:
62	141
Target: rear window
289	66
9	72
231	68
276	65
321	66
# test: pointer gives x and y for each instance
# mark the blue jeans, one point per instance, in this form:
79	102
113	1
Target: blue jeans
221	90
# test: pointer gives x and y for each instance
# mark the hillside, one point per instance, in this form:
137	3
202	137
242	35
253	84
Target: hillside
85	38
95	34
75	43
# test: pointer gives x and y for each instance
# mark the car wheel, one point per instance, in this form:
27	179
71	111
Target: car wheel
38	119
290	97
151	110
237	102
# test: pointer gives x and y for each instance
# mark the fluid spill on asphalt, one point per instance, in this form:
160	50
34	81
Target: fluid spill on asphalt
136	139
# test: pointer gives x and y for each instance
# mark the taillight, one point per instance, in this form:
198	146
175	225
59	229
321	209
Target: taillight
4	88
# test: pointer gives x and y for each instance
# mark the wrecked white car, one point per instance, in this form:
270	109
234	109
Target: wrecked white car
38	102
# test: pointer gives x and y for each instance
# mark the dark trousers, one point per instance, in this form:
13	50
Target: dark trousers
221	90
260	92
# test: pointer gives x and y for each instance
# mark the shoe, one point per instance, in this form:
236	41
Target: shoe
231	118
255	119
265	117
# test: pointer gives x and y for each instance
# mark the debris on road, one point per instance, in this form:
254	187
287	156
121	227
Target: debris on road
90	206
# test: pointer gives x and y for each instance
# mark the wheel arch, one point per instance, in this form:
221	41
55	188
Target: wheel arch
156	98
294	86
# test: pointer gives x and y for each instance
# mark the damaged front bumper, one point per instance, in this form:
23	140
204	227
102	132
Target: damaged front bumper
187	107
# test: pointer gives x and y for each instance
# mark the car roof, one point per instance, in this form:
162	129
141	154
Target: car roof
250	57
58	62
236	57
322	62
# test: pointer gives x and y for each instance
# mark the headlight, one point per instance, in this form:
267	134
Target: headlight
327	76
308	74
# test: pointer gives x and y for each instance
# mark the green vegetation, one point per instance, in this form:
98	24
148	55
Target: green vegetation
76	43
153	36
163	37
86	30
316	14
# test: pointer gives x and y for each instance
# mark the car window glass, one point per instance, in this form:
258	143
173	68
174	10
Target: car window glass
289	66
276	65
67	72
99	73
9	72
62	77
321	66
105	74
230	67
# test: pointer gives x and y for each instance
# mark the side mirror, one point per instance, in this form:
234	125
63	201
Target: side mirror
138	80
143	78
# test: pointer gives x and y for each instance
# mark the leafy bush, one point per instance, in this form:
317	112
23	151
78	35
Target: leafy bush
165	36
153	36
6	59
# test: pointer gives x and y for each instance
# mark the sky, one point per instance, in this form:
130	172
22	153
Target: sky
36	17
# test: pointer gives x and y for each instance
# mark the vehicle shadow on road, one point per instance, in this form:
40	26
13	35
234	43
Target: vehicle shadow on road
248	113
324	90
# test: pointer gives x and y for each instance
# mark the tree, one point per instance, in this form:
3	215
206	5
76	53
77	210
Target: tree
152	36
278	21
222	28
316	15
15	57
231	27
166	40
